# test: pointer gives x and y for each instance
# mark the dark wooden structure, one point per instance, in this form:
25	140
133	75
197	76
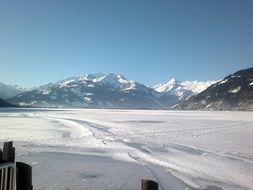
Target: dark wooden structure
8	153
149	185
7	167
13	175
24	176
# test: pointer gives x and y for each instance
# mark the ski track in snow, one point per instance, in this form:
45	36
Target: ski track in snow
203	150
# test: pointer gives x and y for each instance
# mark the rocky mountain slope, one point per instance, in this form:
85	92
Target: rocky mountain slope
234	92
4	103
8	91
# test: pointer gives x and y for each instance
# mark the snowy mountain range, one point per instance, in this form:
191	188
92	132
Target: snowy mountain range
107	91
115	91
95	91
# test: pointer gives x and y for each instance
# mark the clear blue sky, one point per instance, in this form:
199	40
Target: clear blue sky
149	41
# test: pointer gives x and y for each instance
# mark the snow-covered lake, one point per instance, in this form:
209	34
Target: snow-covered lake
114	149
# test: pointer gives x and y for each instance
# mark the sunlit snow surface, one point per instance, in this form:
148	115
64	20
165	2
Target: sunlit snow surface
115	149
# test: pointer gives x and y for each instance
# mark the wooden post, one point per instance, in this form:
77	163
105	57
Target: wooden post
24	176
8	154
149	185
1	153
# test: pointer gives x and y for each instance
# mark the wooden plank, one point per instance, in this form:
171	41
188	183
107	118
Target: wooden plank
149	185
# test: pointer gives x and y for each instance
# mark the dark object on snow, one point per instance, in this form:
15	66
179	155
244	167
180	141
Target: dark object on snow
8	154
149	185
24	176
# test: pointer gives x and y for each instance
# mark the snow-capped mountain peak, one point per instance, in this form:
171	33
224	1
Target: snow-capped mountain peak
111	79
117	81
91	77
183	89
173	83
197	86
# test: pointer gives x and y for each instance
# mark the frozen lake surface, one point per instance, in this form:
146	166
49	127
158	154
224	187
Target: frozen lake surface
114	149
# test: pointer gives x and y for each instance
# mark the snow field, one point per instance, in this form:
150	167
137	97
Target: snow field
194	150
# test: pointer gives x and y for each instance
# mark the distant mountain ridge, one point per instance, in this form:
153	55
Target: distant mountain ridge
234	92
8	91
